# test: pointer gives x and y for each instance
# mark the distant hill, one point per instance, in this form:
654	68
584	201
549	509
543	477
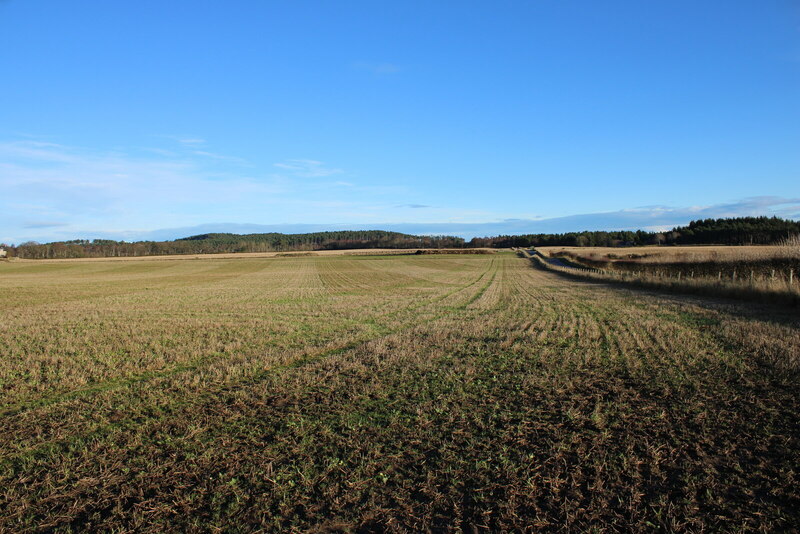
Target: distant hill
731	231
221	242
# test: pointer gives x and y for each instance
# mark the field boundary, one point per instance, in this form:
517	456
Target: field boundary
276	254
752	291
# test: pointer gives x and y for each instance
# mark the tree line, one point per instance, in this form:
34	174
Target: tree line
726	231
221	243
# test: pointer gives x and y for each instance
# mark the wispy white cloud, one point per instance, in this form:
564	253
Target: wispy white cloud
656	218
221	157
306	168
161	152
87	189
185	140
51	191
193	146
44	224
42	152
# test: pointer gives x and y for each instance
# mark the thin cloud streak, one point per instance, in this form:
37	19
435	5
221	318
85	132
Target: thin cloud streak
128	193
649	217
43	224
188	141
92	190
306	168
222	157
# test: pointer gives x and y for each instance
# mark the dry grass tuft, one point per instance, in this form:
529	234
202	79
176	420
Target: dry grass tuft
790	247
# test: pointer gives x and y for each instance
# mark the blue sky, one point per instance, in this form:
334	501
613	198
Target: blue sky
152	119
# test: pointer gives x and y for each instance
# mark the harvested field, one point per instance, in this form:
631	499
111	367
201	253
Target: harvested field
456	251
232	255
397	393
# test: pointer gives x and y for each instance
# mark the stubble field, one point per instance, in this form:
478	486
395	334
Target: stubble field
400	393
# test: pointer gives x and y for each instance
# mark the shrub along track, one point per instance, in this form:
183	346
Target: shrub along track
475	393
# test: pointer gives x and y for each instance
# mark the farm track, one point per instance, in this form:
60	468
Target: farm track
394	394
